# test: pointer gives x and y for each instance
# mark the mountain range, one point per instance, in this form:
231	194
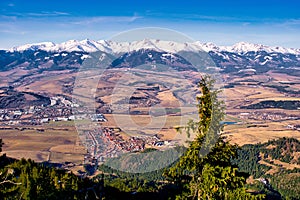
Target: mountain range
158	45
239	58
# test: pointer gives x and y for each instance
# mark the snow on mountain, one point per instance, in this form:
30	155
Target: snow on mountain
84	45
36	46
243	47
158	45
209	47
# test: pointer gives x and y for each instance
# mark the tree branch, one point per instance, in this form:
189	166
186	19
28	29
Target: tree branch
9	181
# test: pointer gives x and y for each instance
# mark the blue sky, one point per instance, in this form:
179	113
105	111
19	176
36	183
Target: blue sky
223	22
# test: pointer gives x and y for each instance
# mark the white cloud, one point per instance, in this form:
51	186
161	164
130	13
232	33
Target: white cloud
292	22
36	14
106	19
47	14
7	18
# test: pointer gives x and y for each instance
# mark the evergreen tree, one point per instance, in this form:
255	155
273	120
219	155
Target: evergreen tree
205	170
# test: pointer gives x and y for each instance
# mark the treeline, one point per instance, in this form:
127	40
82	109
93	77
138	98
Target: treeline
146	161
156	175
282	149
25	179
288	105
148	185
248	160
284	88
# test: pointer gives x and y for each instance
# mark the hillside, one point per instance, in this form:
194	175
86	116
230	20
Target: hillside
10	98
274	164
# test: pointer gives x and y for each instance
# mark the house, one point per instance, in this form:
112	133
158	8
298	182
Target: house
45	120
18	112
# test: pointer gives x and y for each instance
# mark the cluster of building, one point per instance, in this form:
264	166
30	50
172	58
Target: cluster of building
10	114
98	146
108	142
267	116
293	127
60	109
62	100
133	144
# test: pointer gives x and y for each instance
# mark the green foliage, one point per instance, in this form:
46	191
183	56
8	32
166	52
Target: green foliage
131	185
283	149
147	161
155	175
124	186
25	179
205	170
248	160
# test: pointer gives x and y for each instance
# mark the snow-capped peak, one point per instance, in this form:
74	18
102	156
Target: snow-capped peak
158	45
83	45
208	46
36	46
243	47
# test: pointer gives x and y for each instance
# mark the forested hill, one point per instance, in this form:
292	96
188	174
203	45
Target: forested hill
275	164
25	179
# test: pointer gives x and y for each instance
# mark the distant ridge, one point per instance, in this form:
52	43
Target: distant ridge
89	46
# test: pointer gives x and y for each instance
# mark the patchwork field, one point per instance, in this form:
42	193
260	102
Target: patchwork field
251	134
48	143
156	108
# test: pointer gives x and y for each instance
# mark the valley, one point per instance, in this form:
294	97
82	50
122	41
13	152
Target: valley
134	101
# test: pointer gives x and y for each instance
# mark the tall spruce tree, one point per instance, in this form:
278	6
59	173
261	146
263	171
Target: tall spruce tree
205	170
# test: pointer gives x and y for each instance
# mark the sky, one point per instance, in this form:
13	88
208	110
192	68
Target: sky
223	22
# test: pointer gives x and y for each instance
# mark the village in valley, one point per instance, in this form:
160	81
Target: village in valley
100	143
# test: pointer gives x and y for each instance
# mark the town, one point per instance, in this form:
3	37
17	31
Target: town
101	143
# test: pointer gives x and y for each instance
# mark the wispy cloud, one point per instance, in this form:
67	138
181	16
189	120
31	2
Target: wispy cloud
199	17
47	14
16	32
292	22
7	18
37	14
288	24
211	18
246	24
106	19
11	5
